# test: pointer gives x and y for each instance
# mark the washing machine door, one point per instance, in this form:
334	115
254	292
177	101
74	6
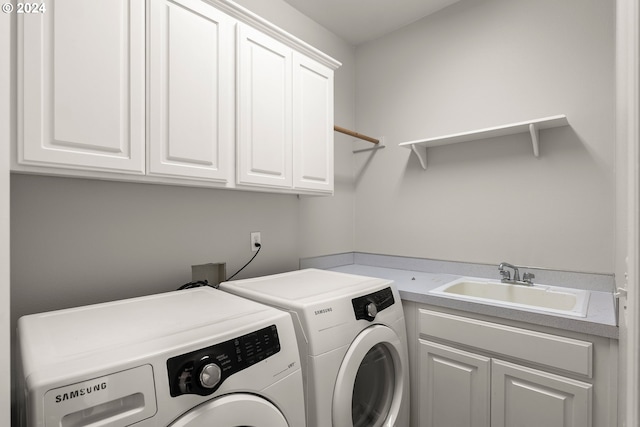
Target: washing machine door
233	410
370	382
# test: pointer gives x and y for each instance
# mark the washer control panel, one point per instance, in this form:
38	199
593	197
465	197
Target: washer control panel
202	371
368	306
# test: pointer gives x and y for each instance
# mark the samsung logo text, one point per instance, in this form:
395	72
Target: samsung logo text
80	392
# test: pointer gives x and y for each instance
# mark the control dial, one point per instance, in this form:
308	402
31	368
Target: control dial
372	310
210	375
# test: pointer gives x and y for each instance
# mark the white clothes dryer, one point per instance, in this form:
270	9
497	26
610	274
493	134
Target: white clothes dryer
353	344
196	358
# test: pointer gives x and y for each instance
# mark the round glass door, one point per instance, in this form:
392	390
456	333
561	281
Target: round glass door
372	390
370	386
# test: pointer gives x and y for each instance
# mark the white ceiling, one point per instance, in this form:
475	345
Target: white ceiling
358	21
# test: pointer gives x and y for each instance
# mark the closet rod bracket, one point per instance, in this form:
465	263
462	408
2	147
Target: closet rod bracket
378	146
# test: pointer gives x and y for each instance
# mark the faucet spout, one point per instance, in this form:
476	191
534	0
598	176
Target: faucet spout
506	276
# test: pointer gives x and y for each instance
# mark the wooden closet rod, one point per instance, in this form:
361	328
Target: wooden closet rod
355	134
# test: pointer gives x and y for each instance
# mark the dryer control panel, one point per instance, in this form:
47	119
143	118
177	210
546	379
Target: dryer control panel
202	371
367	306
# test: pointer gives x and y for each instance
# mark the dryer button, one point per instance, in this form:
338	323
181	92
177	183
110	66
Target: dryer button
210	375
372	310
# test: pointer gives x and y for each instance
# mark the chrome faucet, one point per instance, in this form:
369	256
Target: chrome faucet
506	275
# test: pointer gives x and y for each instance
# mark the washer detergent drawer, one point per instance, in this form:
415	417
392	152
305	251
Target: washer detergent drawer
124	398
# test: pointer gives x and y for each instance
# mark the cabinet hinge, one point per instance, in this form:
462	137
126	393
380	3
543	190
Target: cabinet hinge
620	292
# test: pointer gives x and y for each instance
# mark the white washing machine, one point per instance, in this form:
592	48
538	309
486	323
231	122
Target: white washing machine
196	358
353	344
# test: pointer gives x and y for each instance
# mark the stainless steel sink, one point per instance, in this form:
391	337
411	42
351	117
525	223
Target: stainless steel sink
539	298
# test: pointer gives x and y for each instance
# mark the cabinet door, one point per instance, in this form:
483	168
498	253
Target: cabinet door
81	85
264	98
454	387
191	107
312	125
527	397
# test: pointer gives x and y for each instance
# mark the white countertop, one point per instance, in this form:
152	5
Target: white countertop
415	286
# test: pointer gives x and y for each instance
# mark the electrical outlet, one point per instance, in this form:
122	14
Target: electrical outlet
255	238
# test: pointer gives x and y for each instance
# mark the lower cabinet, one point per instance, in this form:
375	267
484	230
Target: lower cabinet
526	397
463	389
470	370
455	387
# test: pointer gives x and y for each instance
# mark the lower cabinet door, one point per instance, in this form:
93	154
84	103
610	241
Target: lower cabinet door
527	397
454	387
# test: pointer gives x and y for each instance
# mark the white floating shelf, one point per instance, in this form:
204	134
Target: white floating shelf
419	147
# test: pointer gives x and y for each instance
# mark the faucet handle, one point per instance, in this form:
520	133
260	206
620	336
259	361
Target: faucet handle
506	275
526	277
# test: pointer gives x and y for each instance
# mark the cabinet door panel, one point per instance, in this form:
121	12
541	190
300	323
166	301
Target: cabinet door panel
264	97
530	398
191	99
454	387
313	125
81	85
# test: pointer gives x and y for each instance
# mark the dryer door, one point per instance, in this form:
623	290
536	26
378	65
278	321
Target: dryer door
233	410
370	383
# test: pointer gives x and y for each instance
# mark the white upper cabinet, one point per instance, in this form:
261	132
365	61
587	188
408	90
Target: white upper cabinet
285	123
191	85
312	125
191	92
265	110
81	86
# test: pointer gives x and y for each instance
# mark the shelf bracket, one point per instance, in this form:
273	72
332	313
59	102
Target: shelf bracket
535	139
421	153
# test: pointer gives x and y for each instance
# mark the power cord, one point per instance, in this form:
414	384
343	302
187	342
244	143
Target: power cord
257	245
197	284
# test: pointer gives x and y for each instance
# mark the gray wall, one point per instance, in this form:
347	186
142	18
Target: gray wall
479	64
78	241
